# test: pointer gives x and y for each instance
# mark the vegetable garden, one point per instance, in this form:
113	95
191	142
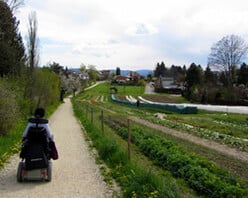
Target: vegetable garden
180	163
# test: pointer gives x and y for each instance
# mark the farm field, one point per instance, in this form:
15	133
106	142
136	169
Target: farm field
224	129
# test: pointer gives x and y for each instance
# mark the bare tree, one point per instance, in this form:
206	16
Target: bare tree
227	54
32	45
32	60
14	4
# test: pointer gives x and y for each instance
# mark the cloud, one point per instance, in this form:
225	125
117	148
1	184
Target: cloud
133	33
140	29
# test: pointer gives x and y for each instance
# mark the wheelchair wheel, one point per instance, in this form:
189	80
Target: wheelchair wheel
19	172
49	172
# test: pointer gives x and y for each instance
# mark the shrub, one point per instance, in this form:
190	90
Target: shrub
9	110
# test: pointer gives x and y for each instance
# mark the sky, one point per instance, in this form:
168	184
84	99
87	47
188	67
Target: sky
132	34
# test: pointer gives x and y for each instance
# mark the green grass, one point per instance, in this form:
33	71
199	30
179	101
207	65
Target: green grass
11	143
108	150
233	125
130	90
104	89
134	178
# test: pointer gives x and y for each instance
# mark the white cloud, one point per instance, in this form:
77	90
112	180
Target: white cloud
133	33
141	29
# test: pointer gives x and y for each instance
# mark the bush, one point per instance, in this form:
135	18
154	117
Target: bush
45	88
9	110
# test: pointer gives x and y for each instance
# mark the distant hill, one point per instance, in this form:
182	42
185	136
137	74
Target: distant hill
143	72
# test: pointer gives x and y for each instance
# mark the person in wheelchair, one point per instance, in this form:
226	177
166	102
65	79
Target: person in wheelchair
38	145
38	121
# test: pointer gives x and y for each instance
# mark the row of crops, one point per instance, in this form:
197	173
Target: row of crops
201	175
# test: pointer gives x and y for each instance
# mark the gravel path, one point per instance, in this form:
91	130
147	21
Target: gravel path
74	174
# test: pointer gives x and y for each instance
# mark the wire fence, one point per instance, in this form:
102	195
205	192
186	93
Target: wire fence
101	118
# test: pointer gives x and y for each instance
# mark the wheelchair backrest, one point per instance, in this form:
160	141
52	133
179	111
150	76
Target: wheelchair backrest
37	135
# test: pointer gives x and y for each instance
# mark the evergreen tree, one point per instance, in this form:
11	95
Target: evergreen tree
243	74
11	45
160	70
56	67
118	71
209	77
194	75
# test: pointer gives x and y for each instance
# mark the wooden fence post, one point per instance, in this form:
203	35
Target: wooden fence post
128	139
86	111
102	121
91	115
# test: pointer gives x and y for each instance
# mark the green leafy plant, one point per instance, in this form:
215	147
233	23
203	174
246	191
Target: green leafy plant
204	177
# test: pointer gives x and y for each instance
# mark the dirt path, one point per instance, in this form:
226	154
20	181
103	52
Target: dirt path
75	174
243	156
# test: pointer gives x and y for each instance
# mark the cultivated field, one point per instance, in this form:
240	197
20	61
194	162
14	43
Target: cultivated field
201	153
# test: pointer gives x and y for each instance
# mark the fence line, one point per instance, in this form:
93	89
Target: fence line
91	114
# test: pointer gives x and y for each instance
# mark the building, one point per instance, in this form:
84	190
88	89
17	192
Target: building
168	85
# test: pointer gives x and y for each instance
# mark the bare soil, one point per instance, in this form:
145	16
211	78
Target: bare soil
239	155
231	158
162	99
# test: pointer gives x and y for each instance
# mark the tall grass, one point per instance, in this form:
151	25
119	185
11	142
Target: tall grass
134	179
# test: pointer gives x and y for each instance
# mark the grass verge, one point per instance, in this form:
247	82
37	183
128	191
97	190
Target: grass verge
134	179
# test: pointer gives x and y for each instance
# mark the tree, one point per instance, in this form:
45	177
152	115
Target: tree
83	67
12	54
32	45
209	77
194	83
92	72
14	4
33	61
194	75
243	74
228	53
46	87
160	70
56	67
118	71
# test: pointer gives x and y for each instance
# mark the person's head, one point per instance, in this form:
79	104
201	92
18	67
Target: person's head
39	113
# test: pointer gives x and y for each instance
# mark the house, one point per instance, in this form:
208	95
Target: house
134	75
121	79
83	76
104	74
168	85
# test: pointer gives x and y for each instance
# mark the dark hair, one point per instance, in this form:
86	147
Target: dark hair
39	113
